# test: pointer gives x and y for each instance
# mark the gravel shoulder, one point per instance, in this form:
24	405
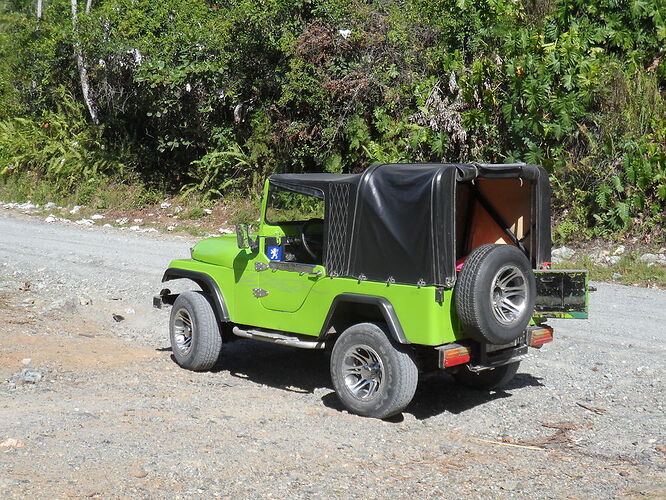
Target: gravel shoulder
111	415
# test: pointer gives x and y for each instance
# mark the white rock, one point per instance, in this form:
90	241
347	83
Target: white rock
614	259
619	250
178	210
151	215
76	209
97	217
208	211
171	228
649	258
344	33
135	228
50	205
51	218
560	254
85	222
29	376
122	220
138	221
165	204
26	361
225	231
149	230
12	443
107	225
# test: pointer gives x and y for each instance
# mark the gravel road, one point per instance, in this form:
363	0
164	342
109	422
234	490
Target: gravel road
94	407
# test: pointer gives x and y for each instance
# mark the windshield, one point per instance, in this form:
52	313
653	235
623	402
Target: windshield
288	207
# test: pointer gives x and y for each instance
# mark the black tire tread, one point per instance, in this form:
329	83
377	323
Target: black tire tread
476	319
467	313
207	339
402	392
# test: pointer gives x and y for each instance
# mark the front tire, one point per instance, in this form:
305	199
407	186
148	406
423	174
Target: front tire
372	376
195	336
494	378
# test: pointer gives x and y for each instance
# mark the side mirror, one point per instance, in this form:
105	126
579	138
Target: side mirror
243	238
242	235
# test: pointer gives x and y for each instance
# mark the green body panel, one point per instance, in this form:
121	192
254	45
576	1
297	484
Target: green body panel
287	289
300	302
216	250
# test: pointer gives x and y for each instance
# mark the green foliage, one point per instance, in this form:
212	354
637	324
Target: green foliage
61	148
209	98
630	270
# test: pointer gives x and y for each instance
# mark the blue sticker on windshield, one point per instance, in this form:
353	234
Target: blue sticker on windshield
274	253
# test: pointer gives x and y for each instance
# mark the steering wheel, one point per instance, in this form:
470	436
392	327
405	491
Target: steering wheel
311	245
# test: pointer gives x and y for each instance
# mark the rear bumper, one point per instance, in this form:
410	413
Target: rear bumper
479	357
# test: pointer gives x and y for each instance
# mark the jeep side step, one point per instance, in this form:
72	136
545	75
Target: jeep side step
292	340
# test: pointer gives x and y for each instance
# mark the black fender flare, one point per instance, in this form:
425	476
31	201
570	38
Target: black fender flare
382	303
207	284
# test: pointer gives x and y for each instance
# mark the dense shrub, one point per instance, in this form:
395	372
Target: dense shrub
211	96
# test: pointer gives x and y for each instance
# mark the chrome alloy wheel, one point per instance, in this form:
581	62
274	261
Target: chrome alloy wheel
508	294
363	371
183	328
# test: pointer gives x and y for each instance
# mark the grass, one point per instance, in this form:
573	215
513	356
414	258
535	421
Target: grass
100	194
191	230
628	271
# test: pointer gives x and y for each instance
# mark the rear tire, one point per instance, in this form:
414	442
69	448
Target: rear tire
195	336
494	378
372	376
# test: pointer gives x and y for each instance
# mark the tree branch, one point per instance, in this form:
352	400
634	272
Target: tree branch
83	72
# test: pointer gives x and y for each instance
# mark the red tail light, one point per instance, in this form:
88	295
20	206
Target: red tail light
541	336
455	356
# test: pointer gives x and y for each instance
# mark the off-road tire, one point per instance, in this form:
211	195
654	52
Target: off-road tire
487	379
399	373
205	344
474	293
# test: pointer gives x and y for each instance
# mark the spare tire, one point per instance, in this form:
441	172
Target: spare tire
495	294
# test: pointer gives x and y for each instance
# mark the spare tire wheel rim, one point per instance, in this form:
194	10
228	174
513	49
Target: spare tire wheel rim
508	295
362	371
183	328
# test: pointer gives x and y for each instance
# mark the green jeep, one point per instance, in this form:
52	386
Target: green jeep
397	270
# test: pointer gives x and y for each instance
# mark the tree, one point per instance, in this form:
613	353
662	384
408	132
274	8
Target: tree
80	62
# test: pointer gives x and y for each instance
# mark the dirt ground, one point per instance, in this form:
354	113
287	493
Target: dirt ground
92	404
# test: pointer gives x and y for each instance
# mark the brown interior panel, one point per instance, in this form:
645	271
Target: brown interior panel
511	198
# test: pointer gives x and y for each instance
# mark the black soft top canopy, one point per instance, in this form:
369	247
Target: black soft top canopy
310	184
396	222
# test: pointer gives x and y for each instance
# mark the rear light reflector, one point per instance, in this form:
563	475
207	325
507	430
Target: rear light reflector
455	356
541	336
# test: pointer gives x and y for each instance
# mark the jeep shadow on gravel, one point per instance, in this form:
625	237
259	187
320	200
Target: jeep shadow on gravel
399	270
